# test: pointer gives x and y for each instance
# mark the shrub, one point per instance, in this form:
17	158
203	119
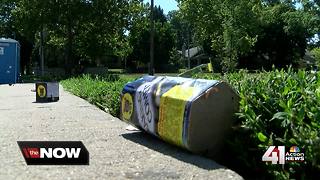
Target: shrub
277	108
101	91
176	59
316	54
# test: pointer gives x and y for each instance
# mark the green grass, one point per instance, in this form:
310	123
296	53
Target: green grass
101	91
120	71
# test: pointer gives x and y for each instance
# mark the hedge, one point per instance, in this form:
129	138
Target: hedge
101	91
280	108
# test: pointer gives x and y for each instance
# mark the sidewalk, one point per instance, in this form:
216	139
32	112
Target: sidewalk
114	152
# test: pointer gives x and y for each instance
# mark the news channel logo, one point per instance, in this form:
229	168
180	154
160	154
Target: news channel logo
54	152
279	155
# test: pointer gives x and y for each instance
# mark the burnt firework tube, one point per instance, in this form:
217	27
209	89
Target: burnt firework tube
194	114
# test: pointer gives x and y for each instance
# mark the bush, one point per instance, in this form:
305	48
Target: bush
101	91
277	108
316	54
176	60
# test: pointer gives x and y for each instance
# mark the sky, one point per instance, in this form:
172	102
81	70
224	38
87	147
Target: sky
166	5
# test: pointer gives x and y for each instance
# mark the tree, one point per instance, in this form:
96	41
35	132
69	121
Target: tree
312	7
259	33
75	28
9	29
225	24
181	29
316	54
283	36
102	33
139	37
6	28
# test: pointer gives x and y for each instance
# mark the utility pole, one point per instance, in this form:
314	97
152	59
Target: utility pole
41	52
151	65
189	66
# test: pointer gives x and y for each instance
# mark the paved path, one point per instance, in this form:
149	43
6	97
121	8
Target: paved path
114	152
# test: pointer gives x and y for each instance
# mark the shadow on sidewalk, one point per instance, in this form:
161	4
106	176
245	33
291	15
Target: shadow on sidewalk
154	143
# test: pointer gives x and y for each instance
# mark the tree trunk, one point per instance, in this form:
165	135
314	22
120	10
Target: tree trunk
69	61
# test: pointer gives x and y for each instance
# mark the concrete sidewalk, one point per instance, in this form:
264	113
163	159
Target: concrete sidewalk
114	152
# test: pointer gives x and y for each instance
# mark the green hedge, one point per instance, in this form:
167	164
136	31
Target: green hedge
280	108
101	91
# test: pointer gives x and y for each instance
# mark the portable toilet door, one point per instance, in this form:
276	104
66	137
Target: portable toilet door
9	61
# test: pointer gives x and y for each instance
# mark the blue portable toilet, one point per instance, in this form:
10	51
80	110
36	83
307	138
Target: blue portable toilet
9	61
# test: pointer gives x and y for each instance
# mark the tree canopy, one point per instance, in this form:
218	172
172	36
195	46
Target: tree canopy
250	34
139	38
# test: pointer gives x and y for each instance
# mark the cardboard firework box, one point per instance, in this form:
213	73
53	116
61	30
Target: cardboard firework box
194	114
47	92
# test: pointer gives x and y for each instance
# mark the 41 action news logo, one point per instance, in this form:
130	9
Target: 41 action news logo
54	152
278	155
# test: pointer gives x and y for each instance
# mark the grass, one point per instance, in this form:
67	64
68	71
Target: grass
101	91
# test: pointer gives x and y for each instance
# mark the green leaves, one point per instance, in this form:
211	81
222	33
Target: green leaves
316	53
139	38
74	29
280	115
252	33
102	91
280	107
226	24
262	137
